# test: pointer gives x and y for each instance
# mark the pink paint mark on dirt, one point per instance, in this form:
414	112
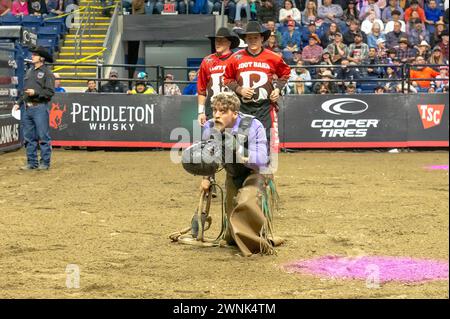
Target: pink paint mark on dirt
384	268
437	167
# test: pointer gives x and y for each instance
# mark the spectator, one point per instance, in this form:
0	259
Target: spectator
372	59
331	13
58	87
437	57
423	49
350	89
154	5
379	90
444	43
272	43
416	32
349	36
351	13
337	49
329	36
56	7
5	7
358	51
312	53
443	74
422	72
433	14
201	7
381	50
138	7
141	87
191	88
267	12
374	36
92	87
325	87
170	88
390	74
113	86
229	8
299	73
368	9
414	7
404	53
393	37
311	29
289	12
326	58
19	8
346	74
291	39
310	13
388	13
242	4
436	36
389	27
270	25
367	25
37	8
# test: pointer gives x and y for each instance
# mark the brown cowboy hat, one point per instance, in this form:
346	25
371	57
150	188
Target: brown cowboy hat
255	27
225	33
43	53
315	37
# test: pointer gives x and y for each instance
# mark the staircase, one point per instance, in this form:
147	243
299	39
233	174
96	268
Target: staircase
91	42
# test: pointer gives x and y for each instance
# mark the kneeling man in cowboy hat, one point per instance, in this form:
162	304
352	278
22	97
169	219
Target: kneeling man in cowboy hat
39	87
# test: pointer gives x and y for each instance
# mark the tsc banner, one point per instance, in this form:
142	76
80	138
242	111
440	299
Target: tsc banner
305	121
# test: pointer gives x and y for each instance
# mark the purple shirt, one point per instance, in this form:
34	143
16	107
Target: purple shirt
257	142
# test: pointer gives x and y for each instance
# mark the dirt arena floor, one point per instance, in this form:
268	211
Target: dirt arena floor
110	213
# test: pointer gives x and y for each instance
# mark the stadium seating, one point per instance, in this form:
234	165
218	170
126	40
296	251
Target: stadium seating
10	20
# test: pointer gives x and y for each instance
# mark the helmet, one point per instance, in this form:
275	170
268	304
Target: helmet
202	158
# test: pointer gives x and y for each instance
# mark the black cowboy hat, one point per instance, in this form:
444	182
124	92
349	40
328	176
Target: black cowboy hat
255	27
43	53
230	35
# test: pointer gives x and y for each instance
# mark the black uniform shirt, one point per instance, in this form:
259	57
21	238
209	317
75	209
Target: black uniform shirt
42	81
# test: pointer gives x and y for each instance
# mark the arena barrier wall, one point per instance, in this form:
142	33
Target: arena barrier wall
305	121
9	133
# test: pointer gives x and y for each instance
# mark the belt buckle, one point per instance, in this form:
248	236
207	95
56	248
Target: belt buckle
29	104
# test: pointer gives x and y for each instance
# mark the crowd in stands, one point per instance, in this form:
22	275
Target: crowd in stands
341	36
41	8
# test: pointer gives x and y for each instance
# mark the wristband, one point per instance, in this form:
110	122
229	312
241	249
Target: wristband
201	108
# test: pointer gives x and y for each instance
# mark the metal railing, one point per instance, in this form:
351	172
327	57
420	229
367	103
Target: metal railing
111	34
161	71
83	23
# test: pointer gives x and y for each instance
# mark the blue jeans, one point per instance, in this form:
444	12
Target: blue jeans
152	4
35	123
230	9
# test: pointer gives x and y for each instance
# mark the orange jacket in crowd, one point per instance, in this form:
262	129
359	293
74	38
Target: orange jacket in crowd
425	73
